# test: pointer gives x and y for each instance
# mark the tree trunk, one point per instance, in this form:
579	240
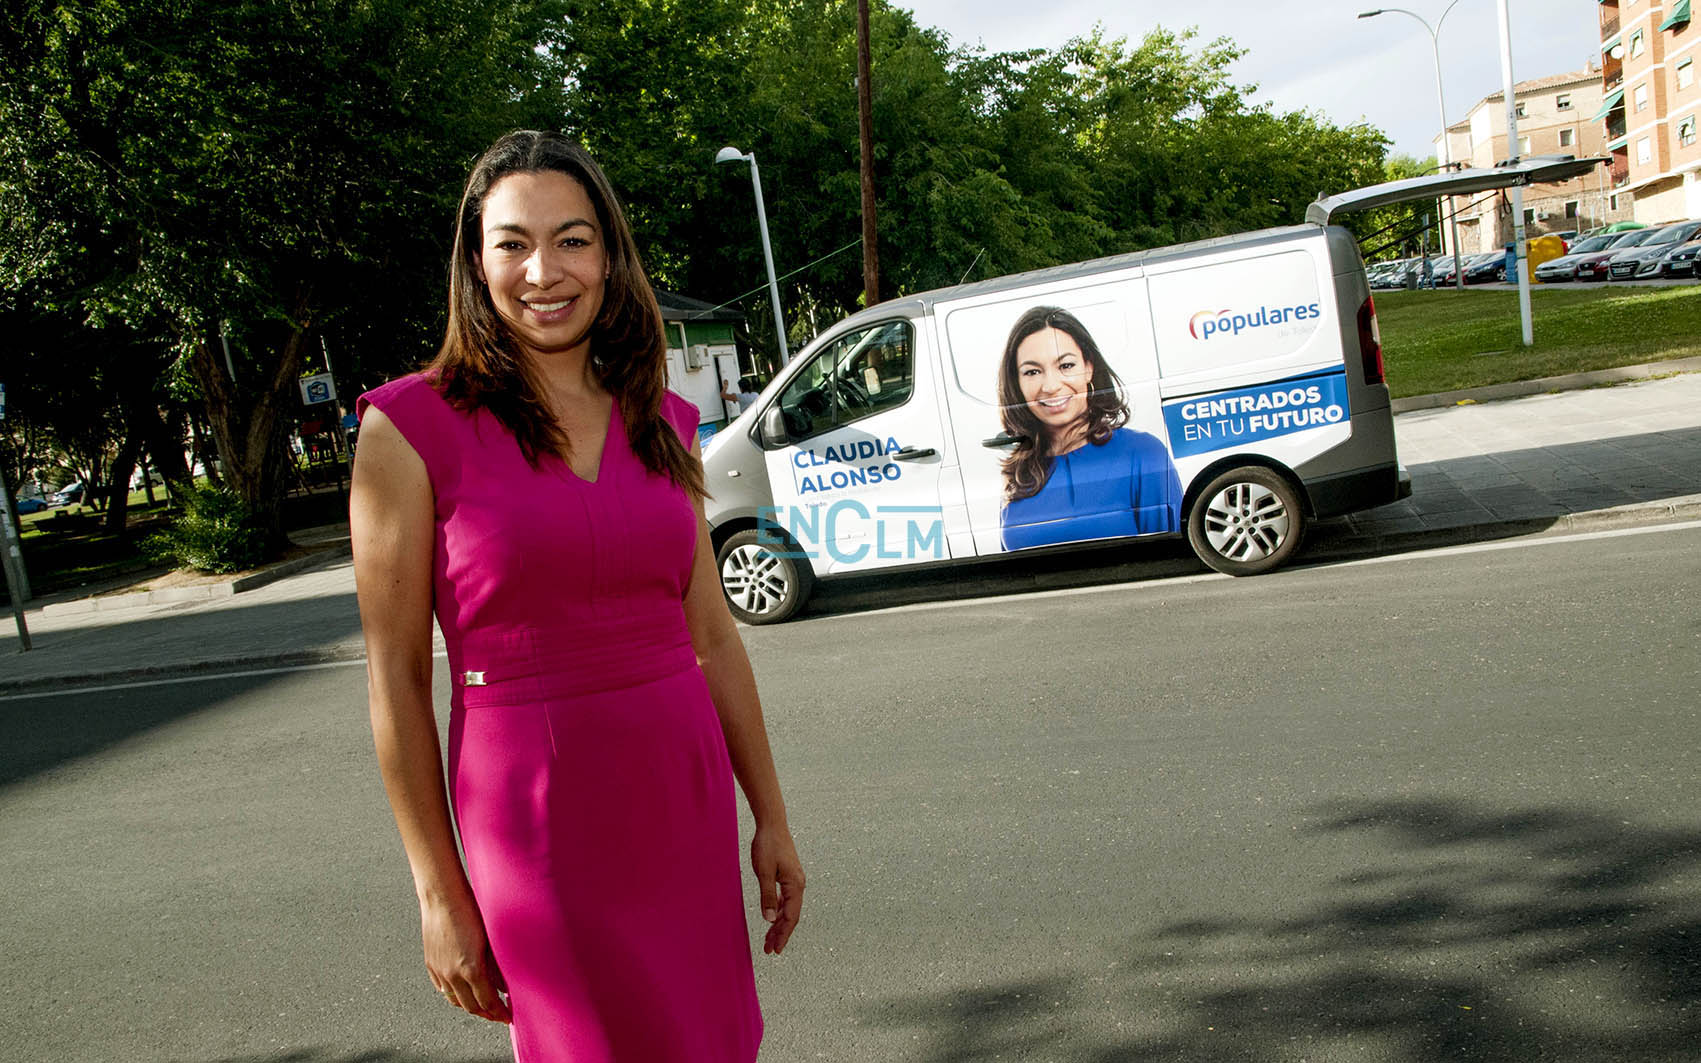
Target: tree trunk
203	453
118	481
250	425
162	445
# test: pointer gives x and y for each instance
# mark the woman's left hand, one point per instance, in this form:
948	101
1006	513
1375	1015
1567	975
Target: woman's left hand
779	874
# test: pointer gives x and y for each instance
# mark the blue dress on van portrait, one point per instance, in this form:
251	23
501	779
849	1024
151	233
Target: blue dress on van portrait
1125	486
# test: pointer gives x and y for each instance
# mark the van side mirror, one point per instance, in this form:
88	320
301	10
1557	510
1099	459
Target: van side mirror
774	427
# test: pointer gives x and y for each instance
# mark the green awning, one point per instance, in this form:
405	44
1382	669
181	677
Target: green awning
1613	99
1679	13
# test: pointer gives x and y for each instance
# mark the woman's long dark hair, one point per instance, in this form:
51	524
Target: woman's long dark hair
1028	467
481	365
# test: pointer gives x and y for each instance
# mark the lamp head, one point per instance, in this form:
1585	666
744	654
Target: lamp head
1370	14
730	154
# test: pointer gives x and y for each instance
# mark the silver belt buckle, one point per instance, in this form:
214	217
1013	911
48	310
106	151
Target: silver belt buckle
473	679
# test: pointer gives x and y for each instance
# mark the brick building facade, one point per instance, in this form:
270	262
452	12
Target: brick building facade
1649	50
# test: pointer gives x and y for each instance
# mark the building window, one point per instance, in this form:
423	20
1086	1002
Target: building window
1523	146
1565	138
1562	101
1640	96
1686	73
1612	201
1686	131
1644	149
1637	45
1520	110
1570	209
1529	215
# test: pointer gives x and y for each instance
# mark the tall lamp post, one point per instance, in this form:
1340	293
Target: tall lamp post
730	154
1446	151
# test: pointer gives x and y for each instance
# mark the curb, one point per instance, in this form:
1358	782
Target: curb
1337	544
205	591
1518	389
211	667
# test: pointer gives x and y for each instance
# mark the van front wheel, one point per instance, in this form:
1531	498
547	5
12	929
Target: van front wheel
765	581
1246	522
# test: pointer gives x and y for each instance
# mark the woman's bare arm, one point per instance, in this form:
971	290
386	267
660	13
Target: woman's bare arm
732	686
392	527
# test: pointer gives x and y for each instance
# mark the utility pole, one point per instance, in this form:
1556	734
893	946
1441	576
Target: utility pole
1520	260
865	125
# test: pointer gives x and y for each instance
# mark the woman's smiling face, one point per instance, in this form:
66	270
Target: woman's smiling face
1056	378
543	259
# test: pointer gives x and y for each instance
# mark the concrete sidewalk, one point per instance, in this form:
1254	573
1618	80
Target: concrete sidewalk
1595	458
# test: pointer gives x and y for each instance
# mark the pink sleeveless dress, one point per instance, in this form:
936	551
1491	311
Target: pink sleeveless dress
588	774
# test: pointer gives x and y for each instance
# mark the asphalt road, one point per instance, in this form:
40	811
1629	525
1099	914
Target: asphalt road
1437	807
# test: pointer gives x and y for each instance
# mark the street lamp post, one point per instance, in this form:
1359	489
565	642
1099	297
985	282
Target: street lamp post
730	154
1520	255
1446	149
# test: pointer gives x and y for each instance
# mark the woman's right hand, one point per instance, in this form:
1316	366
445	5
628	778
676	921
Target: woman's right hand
458	957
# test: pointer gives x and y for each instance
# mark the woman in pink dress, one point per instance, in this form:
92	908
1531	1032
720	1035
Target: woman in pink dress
540	491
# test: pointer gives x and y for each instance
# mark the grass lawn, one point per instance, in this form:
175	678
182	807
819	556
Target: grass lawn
1446	340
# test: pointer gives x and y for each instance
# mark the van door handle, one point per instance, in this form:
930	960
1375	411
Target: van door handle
911	454
1002	439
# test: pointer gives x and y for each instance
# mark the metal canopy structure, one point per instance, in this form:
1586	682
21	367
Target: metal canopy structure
1535	169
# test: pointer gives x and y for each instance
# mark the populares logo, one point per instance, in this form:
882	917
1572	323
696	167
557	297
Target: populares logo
1208	323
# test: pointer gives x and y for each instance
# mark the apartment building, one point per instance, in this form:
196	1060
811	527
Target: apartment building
1648	59
1557	115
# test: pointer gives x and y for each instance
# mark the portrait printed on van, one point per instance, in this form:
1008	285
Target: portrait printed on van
1076	472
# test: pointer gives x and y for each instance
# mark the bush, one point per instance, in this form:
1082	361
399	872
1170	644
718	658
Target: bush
215	534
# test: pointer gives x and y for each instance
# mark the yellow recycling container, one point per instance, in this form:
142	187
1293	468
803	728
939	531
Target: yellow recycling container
1542	249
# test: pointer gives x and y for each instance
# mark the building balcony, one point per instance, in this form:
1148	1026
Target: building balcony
1609	26
1620	170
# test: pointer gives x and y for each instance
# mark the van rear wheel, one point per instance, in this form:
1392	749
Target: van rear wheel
765	582
1246	522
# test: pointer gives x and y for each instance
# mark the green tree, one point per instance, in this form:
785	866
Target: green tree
271	175
1396	231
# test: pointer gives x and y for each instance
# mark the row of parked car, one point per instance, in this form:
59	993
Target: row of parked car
1666	251
1409	272
71	492
1661	252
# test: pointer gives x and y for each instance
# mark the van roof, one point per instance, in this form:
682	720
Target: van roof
922	302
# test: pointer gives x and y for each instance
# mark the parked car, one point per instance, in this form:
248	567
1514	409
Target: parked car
1391	274
1486	268
1680	260
71	492
31	505
1647	258
1564	268
1627	263
1593	267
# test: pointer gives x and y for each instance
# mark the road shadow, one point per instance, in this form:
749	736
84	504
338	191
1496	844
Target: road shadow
38	733
381	1055
1545	934
1124	561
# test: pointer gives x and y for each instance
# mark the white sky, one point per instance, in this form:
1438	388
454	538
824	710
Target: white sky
1317	55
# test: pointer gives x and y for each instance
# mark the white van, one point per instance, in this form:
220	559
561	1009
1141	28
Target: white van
1229	390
